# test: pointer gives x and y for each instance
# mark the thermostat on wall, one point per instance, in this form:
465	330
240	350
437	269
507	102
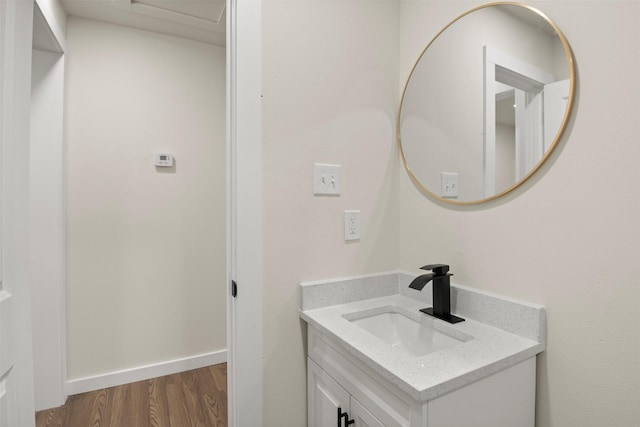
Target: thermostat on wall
164	160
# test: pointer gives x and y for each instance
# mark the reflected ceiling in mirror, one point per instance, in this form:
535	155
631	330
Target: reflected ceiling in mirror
486	103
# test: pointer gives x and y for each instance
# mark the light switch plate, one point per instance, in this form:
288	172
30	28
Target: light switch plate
449	182
326	179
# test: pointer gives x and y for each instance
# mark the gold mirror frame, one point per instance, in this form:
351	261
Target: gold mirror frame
572	82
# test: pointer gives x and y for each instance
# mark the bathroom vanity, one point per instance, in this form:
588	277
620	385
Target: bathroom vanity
375	360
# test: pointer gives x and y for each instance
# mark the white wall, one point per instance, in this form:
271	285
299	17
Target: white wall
567	239
146	246
330	92
505	156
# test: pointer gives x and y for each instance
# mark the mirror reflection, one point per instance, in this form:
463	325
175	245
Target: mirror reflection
486	103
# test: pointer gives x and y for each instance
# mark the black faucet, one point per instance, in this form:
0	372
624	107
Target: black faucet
441	291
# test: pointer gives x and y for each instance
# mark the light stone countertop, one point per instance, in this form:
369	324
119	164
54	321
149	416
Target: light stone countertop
488	349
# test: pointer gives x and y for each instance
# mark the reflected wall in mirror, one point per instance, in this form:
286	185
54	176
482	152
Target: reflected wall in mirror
486	103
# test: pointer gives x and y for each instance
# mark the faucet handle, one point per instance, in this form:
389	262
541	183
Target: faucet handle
438	269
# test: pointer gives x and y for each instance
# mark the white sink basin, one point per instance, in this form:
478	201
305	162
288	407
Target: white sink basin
412	337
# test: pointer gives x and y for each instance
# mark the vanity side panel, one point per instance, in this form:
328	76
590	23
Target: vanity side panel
505	399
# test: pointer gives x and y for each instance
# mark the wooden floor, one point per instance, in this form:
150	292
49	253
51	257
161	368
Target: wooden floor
188	399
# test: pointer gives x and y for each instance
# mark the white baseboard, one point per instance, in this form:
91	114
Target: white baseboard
111	379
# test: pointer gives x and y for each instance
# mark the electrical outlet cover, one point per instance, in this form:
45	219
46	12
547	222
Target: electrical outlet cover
351	225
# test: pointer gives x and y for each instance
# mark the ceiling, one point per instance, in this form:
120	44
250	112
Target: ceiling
202	20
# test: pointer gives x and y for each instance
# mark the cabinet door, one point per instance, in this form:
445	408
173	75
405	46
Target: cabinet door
325	396
362	417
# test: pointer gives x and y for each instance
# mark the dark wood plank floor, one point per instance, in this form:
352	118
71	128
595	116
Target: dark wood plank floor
195	398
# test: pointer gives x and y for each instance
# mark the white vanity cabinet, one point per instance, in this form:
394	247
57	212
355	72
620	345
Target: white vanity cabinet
485	375
337	379
328	400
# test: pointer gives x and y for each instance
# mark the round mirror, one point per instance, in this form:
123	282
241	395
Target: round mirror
486	103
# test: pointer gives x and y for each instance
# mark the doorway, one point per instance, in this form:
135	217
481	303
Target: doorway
244	221
146	241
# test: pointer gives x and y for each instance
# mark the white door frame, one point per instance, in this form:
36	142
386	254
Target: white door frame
244	213
244	222
47	188
16	357
556	98
515	73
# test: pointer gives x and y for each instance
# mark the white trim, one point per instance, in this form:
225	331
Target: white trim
232	405
518	74
47	228
496	57
141	373
47	202
16	346
54	27
489	133
244	112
